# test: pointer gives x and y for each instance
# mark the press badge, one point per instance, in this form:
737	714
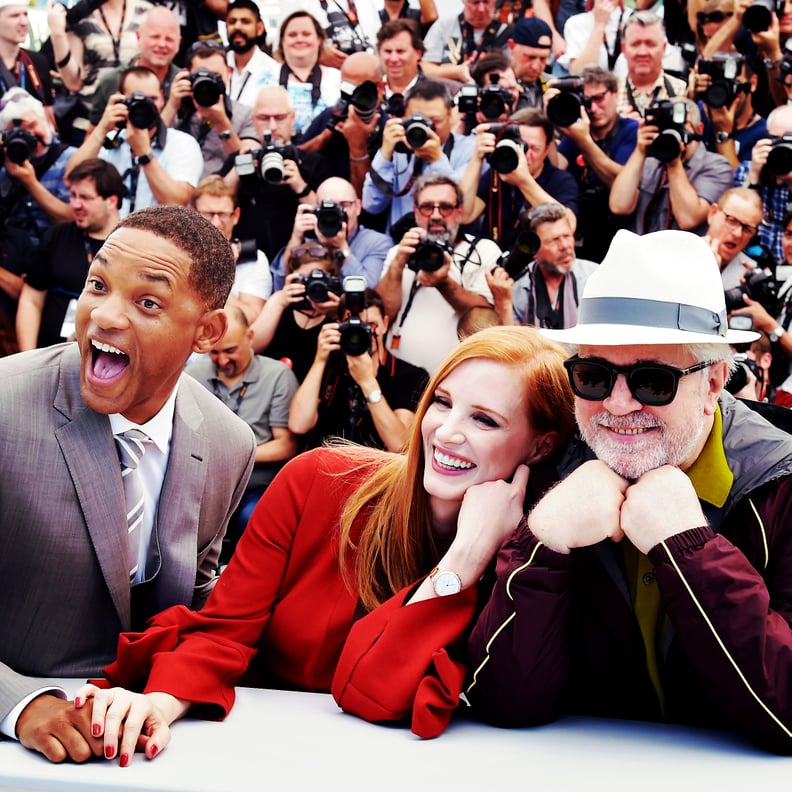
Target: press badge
68	328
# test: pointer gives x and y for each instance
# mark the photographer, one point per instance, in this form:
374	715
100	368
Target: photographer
33	193
287	328
198	105
355	388
493	95
670	181
595	147
769	171
349	133
269	198
726	86
434	149
334	221
544	292
433	275
510	172
158	165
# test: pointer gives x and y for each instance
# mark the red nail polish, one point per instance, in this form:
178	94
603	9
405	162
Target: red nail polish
124	760
109	751
154	750
77	702
96	729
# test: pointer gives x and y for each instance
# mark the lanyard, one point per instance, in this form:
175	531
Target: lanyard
316	79
115	41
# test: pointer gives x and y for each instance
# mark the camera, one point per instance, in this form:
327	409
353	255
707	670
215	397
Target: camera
142	112
508	143
364	98
429	255
743	369
492	100
786	62
521	254
356	334
759	15
267	162
207	87
779	158
724	69
416	131
318	285
564	108
246	250
19	144
330	217
669	117
759	284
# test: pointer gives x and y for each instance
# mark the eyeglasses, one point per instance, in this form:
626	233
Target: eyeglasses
651	384
347	205
704	17
598	98
734	223
445	209
81	197
219	215
317	251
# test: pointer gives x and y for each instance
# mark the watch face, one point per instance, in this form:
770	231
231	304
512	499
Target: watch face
446	583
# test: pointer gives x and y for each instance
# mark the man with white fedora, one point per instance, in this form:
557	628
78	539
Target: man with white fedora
654	582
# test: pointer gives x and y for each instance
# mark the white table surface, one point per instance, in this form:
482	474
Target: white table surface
278	740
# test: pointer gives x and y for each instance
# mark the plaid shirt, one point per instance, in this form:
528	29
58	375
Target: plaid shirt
775	201
658	90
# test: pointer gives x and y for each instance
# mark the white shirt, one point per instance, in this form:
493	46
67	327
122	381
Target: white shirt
243	86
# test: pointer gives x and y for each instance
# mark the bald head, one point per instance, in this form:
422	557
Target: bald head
361	66
341	192
273	111
159	36
779	122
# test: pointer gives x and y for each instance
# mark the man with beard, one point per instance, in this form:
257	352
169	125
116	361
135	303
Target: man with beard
248	61
547	293
433	275
653	582
47	302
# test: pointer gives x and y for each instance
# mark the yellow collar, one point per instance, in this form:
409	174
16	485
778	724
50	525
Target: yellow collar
710	473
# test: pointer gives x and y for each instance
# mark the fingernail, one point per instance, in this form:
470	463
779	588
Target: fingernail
77	702
154	750
124	760
96	729
109	751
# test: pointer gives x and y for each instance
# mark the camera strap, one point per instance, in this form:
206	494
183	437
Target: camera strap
492	38
351	17
27	70
315	80
669	89
613	54
654	201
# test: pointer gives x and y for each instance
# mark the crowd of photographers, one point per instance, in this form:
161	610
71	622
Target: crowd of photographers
386	181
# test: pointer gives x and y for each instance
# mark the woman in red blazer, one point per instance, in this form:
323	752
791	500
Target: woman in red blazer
361	571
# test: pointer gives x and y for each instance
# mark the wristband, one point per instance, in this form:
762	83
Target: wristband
61	63
360	159
305	191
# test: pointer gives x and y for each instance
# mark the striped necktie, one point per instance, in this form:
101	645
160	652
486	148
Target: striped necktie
131	447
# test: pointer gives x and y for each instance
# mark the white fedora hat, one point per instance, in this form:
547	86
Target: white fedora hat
660	288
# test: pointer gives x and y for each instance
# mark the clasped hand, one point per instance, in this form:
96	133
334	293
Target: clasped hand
594	503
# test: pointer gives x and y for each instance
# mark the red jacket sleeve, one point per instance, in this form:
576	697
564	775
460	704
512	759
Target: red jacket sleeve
398	661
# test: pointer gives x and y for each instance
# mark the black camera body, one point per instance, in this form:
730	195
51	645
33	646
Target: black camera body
725	87
18	144
564	108
740	376
521	254
207	87
356	335
779	158
759	15
670	119
492	100
142	112
759	284
267	162
318	285
429	255
364	98
330	218
508	143
416	131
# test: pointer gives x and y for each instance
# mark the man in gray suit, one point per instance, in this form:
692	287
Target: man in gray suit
68	581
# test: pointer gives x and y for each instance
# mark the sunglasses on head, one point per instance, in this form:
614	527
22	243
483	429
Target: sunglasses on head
704	17
211	43
651	384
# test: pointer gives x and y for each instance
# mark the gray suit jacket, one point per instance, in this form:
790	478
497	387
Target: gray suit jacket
64	582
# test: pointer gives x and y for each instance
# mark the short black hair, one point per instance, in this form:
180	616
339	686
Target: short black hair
212	268
249	5
430	89
105	176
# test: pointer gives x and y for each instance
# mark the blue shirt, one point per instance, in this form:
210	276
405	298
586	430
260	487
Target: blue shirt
775	198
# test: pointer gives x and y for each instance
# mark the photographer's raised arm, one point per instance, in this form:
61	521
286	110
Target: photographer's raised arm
115	114
472	205
624	190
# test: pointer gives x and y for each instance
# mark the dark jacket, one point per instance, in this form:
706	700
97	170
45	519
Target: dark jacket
559	634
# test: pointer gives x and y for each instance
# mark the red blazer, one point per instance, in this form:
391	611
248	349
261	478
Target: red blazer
280	616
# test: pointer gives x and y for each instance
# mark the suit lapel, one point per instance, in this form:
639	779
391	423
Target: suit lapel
91	459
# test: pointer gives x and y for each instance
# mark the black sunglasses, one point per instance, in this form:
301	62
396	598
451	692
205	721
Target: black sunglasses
651	384
703	17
